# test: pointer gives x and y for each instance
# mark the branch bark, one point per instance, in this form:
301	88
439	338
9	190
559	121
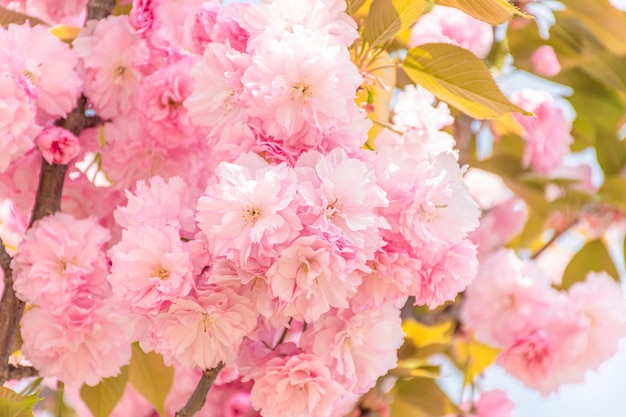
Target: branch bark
99	9
198	398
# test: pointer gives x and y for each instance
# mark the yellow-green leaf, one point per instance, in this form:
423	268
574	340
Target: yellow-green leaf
473	358
15	405
388	17
9	16
607	23
458	77
422	335
150	377
353	5
401	408
594	256
493	12
425	395
102	398
613	192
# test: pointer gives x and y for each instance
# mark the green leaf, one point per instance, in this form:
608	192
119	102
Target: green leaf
458	77
613	192
150	377
400	408
9	16
425	395
603	20
594	256
102	398
352	6
15	405
493	12
388	17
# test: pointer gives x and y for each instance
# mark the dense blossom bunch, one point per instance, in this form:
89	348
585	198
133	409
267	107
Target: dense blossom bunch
236	219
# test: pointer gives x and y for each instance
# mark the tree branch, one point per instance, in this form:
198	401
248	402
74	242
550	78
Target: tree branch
198	398
5	264
99	9
20	372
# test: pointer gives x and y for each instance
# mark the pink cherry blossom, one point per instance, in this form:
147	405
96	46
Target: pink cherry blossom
508	296
547	135
359	346
442	210
251	210
295	386
341	198
160	101
301	81
57	145
201	333
445	273
310	276
17	121
450	25
494	404
59	257
271	19
545	61
159	203
150	269
47	65
77	348
216	97
112	56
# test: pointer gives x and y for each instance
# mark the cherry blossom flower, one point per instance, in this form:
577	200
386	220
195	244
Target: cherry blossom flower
150	269
202	333
547	135
251	211
113	56
545	61
295	386
450	25
359	346
76	346
57	145
59	257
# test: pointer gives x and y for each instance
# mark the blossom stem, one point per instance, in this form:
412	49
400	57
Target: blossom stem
198	398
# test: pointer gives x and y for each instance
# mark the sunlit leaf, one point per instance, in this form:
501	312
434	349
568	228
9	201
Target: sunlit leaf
473	357
607	23
388	17
150	377
399	408
102	398
411	368
425	395
493	12
594	256
15	405
353	5
422	335
613	191
458	77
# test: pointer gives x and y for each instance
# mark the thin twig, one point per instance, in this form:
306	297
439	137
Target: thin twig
198	398
99	9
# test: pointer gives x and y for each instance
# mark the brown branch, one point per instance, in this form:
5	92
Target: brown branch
20	372
5	264
99	9
198	398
